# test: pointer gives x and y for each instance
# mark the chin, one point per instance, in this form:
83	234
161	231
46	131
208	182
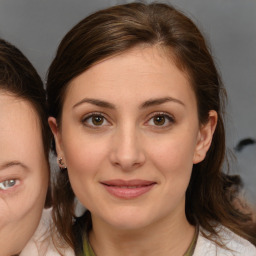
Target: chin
129	220
129	225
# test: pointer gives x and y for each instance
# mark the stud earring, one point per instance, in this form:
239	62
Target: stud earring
61	164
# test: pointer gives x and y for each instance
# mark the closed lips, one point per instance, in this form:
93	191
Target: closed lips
128	184
128	189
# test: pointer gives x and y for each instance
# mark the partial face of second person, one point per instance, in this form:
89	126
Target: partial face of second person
23	173
129	136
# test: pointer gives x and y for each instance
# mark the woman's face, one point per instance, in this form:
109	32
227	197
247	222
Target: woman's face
129	137
23	173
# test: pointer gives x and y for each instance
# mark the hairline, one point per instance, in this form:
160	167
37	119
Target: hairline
161	48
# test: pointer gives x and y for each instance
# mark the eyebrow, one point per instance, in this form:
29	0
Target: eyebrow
99	103
159	101
146	104
13	163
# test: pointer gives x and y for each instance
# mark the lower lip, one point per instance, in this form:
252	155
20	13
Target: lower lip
128	193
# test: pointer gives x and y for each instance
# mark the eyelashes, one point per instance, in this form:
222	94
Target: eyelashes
98	120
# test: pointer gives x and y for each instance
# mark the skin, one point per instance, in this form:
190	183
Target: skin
130	143
23	173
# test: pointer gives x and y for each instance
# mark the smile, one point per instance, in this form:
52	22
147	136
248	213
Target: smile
128	189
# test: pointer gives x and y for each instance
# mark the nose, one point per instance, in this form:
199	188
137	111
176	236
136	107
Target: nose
127	150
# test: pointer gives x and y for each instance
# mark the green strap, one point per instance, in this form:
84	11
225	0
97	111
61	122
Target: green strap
192	246
88	251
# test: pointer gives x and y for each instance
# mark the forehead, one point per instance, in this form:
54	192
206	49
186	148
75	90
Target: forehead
20	133
17	109
139	71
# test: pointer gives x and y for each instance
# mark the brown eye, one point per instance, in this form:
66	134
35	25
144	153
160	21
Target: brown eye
159	120
97	120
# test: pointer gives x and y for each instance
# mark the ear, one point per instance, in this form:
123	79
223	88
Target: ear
57	135
205	137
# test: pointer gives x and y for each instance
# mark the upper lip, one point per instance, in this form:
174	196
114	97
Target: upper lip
119	182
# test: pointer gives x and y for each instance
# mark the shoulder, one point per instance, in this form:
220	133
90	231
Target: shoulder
237	246
41	243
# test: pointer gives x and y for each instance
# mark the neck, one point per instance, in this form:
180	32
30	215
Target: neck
165	237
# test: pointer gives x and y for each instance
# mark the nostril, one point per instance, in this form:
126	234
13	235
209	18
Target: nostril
127	162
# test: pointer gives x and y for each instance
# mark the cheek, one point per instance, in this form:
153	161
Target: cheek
8	210
13	208
26	200
37	183
174	159
19	218
175	165
84	156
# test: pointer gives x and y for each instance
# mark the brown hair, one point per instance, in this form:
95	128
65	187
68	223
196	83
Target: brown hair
18	77
115	30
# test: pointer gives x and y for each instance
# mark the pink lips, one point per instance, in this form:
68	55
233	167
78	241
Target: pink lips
128	189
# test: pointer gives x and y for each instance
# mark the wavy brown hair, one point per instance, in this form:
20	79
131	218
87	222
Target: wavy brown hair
115	30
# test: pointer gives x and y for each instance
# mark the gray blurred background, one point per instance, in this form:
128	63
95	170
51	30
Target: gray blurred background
37	26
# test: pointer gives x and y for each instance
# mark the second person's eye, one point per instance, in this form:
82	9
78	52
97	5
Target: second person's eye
6	184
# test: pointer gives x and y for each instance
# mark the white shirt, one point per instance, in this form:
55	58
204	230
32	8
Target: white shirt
41	243
237	245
